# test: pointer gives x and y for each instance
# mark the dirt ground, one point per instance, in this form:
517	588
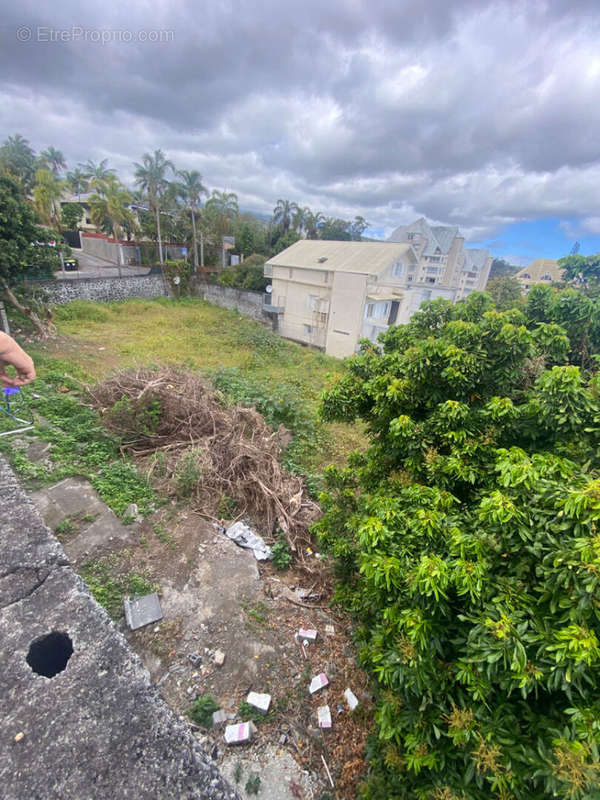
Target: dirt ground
216	597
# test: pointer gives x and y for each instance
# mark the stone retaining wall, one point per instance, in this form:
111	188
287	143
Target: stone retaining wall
104	289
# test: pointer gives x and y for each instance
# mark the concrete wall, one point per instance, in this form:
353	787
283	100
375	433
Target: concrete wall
107	250
345	319
248	303
104	289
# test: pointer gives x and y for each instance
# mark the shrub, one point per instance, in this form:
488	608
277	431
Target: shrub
203	709
467	539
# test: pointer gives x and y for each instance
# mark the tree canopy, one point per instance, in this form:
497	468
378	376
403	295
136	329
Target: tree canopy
467	541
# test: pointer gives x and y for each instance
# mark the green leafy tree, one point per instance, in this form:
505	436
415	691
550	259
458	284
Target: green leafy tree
47	192
506	292
312	221
151	177
18	158
335	229
467	541
70	215
22	247
501	267
583	270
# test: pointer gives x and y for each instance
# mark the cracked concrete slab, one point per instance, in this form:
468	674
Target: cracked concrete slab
98	728
76	498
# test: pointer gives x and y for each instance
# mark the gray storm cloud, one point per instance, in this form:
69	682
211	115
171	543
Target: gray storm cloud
472	113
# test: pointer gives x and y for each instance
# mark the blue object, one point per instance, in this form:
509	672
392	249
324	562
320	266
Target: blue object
11	390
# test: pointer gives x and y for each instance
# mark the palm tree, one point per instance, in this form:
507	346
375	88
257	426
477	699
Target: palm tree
312	222
77	181
190	189
110	211
92	170
19	159
46	195
282	214
53	159
150	176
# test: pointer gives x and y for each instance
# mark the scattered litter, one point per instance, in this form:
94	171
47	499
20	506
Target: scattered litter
283	738
308	633
351	699
340	710
238	734
244	536
318	682
219	658
19	736
219	717
324	716
131	510
195	658
327	771
260	701
142	610
329	630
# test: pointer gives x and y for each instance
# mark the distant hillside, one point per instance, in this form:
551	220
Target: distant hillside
501	267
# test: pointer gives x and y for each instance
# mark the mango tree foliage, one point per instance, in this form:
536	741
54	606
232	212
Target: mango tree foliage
468	543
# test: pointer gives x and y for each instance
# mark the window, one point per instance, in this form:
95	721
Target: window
547	277
380	310
321	318
526	275
426	295
430	280
432	270
410	236
312	302
397	269
325	277
411	268
434	259
409	279
308	329
369	310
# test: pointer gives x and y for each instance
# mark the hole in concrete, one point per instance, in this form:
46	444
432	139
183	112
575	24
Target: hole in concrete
49	654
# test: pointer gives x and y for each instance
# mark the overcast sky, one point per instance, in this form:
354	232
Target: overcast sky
478	114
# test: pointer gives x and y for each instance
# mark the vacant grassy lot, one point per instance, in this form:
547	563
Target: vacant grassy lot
247	362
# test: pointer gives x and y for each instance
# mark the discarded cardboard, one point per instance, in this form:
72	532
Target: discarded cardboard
329	630
351	699
219	658
239	734
259	701
244	536
318	682
324	716
142	611
307	633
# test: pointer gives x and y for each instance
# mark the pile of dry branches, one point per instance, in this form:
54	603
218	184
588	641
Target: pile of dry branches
228	451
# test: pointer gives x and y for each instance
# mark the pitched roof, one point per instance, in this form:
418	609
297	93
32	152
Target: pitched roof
369	258
535	272
437	236
475	258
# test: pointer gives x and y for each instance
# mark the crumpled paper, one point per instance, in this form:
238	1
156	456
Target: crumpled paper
244	536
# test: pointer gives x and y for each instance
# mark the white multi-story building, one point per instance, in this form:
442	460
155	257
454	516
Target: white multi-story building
443	258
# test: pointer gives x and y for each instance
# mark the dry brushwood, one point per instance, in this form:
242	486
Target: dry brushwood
236	452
